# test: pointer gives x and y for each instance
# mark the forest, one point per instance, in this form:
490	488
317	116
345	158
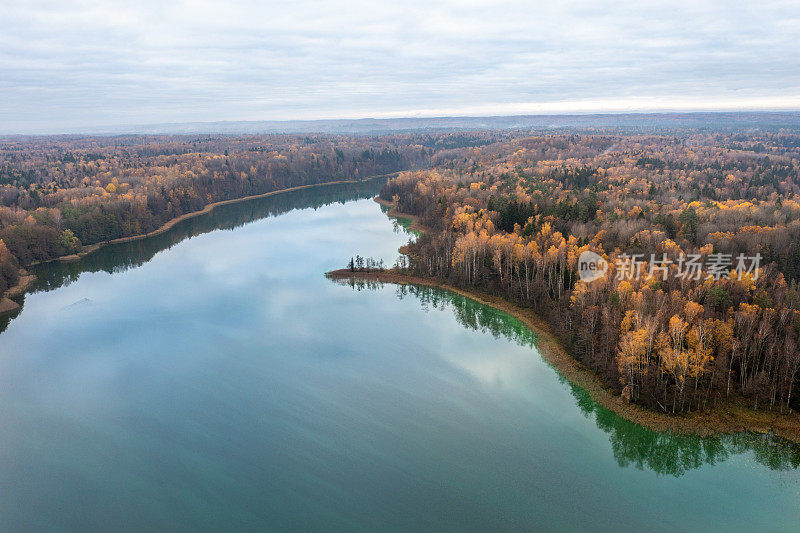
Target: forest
512	218
507	212
60	194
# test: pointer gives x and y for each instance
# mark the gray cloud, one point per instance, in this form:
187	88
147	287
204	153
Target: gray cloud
67	65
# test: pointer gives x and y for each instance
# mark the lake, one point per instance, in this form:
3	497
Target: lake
212	378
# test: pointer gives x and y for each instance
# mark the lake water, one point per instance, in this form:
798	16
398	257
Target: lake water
212	378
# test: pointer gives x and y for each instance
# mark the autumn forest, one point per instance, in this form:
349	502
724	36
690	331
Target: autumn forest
506	212
60	194
513	218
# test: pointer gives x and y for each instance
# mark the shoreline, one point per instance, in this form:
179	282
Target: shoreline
415	225
169	224
8	305
726	418
732	415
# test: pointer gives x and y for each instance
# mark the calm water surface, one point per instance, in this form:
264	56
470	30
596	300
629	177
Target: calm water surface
212	378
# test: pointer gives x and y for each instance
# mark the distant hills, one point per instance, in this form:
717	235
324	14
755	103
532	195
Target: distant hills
623	123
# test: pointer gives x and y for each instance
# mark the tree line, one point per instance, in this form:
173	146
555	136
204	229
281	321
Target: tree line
512	218
60	194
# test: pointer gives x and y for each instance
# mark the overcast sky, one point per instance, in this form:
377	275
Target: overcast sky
66	65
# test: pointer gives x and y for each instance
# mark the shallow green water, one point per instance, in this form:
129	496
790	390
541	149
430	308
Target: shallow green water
221	382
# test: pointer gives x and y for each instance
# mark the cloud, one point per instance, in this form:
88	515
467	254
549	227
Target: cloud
66	65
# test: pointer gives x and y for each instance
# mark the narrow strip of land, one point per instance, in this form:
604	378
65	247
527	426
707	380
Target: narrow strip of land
8	305
208	208
731	416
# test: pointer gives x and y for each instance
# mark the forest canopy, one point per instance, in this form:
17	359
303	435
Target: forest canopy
514	217
508	212
59	194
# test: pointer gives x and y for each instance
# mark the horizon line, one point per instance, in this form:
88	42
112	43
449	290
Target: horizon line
122	129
